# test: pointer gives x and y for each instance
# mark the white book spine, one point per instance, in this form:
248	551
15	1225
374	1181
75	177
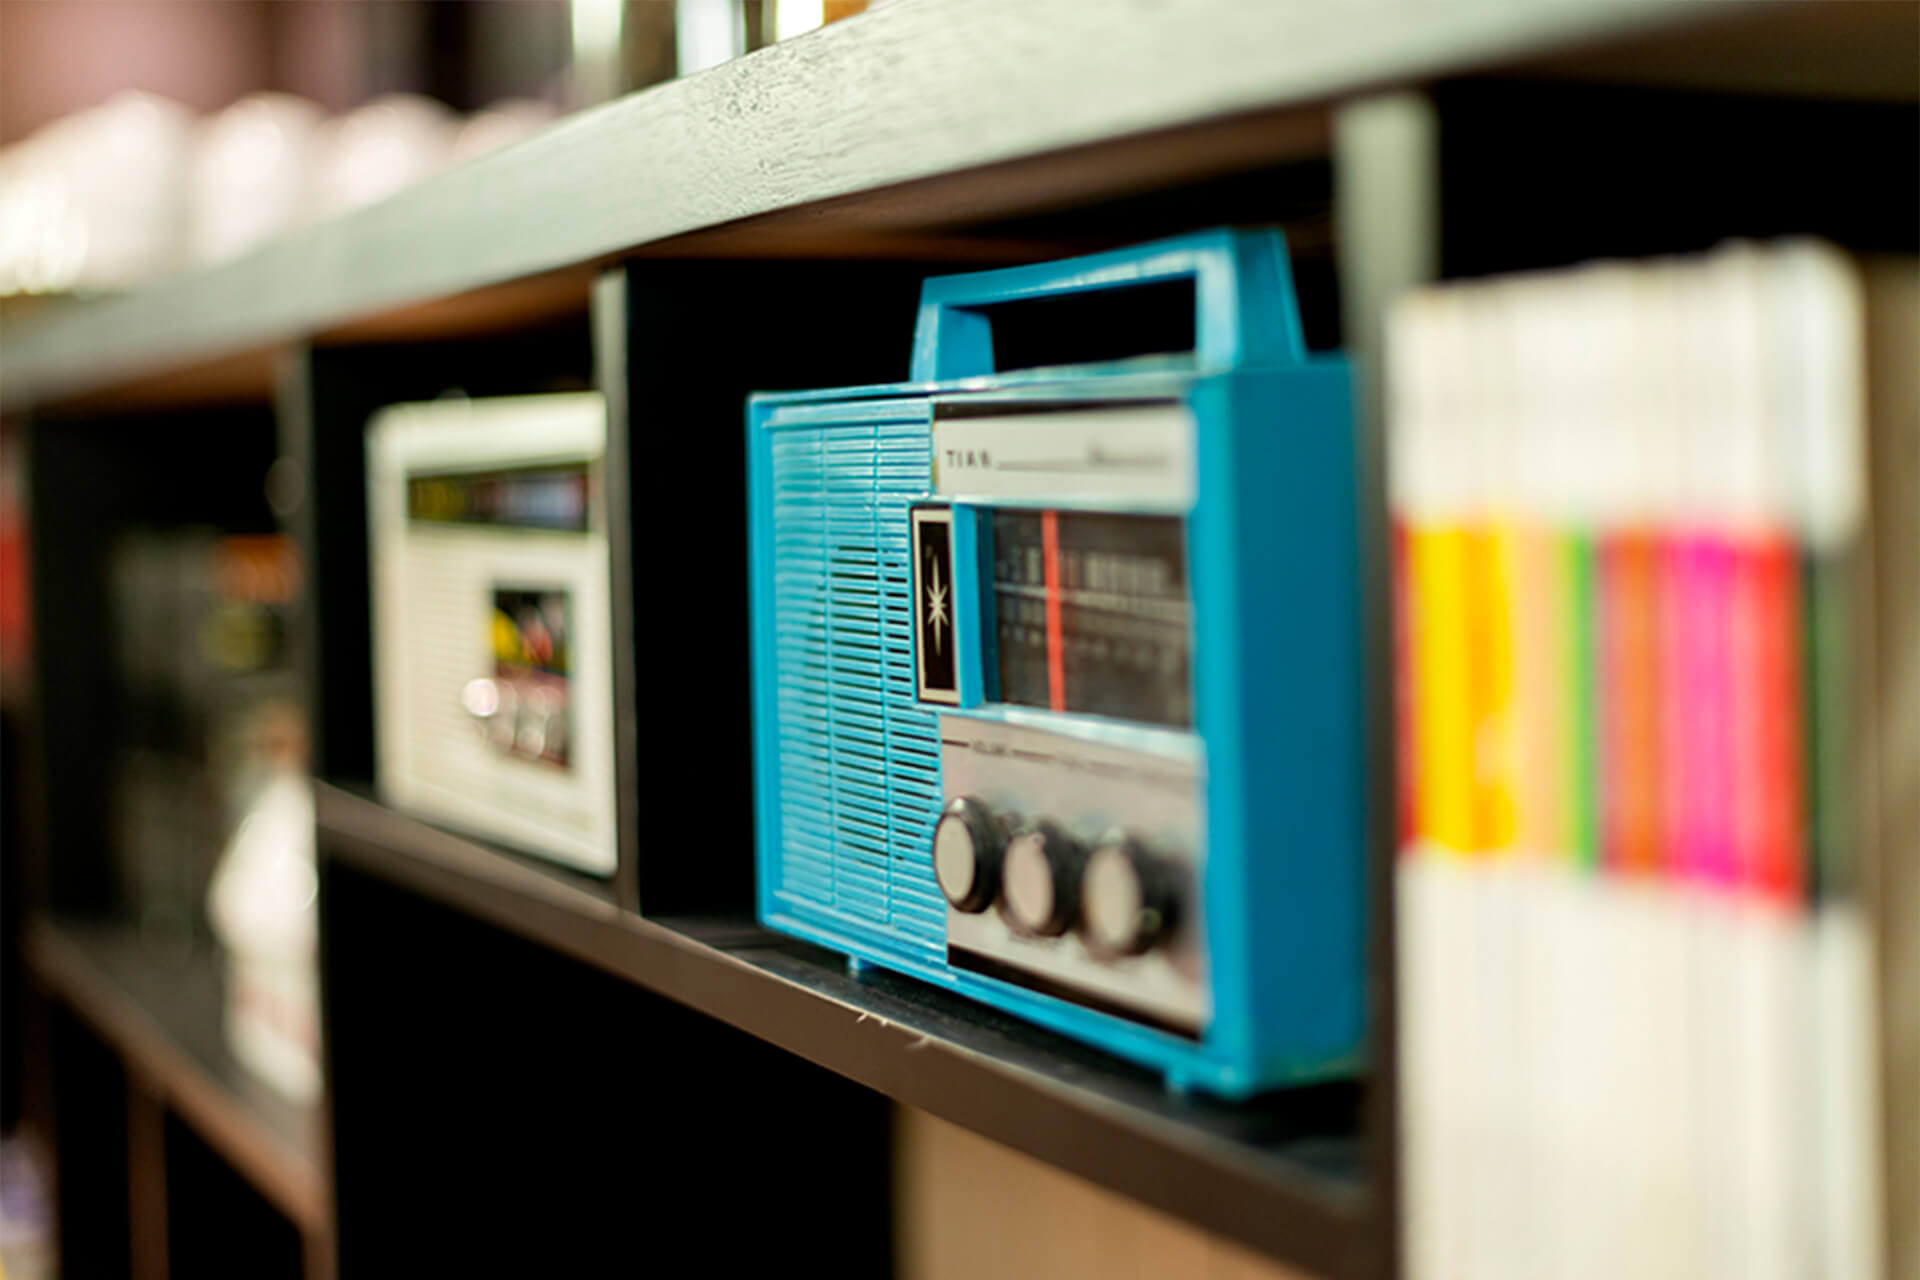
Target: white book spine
1848	1115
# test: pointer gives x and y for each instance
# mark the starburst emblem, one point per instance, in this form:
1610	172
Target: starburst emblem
936	603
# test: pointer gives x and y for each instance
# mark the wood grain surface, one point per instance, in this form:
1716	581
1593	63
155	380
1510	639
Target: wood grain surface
908	92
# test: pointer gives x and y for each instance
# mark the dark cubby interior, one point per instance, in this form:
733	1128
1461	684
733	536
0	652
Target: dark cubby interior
89	1114
93	480
218	1225
1538	174
1113	324
491	1097
700	338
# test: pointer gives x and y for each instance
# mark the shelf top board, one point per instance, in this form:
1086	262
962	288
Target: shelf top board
884	102
162	1013
1285	1174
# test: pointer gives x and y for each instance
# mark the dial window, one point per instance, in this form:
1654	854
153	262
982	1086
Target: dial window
1092	614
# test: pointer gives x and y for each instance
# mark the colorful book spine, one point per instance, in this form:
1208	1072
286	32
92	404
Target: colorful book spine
1624	498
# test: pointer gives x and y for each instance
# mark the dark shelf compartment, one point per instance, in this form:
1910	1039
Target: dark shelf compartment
1286	1174
161	1013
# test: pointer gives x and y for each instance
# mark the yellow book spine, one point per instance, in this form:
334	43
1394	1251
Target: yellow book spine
1440	559
1496	736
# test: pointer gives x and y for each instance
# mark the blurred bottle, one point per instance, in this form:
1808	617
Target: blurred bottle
380	148
708	33
500	124
693	35
647	51
252	169
165	810
201	626
262	896
97	200
263	903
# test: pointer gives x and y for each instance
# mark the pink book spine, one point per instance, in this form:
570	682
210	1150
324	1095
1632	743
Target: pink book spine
1708	690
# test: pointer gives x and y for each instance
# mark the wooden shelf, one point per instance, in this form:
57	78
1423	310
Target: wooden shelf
900	132
162	1015
1285	1175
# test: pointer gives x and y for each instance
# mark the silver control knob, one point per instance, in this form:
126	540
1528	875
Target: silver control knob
968	842
1041	889
1127	899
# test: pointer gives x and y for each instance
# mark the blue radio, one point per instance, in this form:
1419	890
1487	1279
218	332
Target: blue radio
1057	673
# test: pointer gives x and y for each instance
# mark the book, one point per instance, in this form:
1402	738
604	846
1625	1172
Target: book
1657	608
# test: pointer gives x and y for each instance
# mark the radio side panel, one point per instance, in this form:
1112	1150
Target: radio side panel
1276	545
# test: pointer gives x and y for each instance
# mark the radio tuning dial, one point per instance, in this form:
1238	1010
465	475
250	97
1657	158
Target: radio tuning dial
1042	880
1127	899
968	842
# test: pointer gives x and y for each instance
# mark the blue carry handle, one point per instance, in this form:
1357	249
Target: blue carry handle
1246	313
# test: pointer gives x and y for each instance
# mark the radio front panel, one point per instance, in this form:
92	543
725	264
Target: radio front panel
492	628
1065	534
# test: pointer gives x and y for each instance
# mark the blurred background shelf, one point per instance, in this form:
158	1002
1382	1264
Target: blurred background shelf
489	1013
161	1013
774	155
1285	1176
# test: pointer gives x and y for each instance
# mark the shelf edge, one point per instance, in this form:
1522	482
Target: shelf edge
1314	1223
283	1175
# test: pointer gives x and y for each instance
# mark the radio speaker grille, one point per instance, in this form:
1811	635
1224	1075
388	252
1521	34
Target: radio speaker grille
859	758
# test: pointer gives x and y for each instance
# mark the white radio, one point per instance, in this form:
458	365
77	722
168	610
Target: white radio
492	620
